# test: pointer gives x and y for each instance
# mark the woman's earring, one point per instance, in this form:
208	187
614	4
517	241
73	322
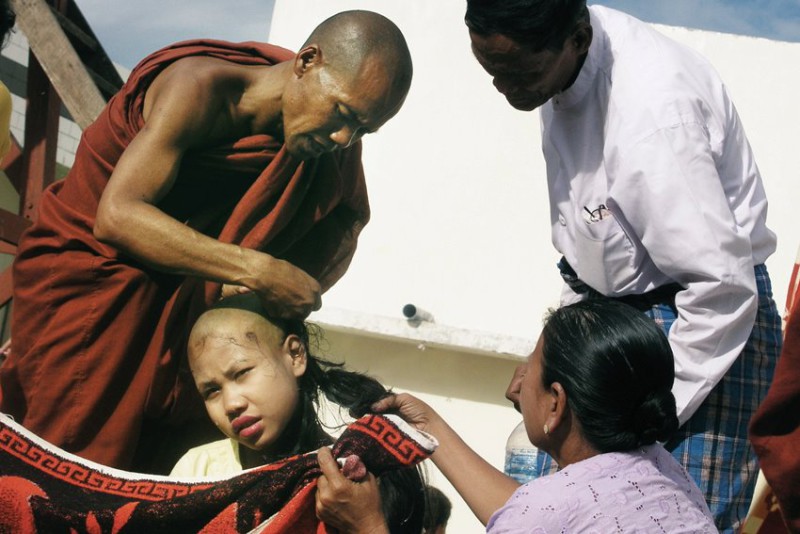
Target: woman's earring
546	429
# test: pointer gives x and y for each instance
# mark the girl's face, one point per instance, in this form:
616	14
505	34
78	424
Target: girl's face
534	400
246	375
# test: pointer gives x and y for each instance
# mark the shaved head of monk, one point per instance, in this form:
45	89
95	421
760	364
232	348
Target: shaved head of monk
351	76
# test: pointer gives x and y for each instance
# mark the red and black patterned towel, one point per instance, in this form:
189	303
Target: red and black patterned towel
44	489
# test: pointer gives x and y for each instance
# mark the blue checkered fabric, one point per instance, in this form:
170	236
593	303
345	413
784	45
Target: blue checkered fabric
713	444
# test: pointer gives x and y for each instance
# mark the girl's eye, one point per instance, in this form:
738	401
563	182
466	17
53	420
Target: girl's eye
242	372
210	393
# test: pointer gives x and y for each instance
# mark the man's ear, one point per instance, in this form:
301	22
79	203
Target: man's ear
296	350
307	58
581	38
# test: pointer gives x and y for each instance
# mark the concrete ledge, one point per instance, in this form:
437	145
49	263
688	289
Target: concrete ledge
424	334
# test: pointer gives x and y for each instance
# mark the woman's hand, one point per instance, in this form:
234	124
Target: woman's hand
411	409
351	507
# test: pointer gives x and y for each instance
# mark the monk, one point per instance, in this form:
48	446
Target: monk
775	427
218	168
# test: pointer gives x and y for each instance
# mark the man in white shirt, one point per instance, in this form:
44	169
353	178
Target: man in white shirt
656	200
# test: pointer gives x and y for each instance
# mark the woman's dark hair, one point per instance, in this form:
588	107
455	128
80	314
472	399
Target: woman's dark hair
402	490
617	369
538	24
437	509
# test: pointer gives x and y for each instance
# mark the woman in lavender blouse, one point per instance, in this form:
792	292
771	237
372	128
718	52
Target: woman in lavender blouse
597	397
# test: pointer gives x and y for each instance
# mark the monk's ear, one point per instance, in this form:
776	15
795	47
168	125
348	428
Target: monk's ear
307	58
296	350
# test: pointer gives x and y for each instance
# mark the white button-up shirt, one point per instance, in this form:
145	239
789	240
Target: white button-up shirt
652	181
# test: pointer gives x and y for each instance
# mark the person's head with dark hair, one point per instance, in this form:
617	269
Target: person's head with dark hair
403	500
437	511
261	386
599	380
537	24
7	20
533	49
351	76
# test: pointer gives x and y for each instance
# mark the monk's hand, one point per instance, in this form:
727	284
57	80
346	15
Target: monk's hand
229	290
512	392
286	291
351	507
413	411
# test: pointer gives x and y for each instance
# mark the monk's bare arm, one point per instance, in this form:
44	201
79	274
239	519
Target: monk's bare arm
188	108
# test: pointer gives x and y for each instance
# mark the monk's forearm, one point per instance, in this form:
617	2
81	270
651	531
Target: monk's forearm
147	234
483	488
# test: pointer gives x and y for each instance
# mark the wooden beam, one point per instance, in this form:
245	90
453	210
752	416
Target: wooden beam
74	30
102	83
41	138
6	286
59	60
11	226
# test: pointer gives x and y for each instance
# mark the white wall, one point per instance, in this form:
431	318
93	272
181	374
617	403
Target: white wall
460	221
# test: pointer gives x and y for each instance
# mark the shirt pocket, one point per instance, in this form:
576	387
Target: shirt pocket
605	254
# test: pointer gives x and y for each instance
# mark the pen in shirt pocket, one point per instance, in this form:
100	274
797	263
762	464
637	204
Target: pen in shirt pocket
596	215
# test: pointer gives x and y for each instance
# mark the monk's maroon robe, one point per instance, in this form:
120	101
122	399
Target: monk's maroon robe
97	337
775	427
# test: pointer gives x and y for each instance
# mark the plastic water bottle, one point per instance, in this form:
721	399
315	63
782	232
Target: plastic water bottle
520	455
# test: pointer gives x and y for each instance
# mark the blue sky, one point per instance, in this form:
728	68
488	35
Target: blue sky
130	29
773	19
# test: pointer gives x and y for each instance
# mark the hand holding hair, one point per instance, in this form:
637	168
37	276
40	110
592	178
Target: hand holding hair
351	507
414	411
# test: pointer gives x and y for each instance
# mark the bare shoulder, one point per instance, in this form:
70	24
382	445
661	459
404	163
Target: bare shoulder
193	94
199	77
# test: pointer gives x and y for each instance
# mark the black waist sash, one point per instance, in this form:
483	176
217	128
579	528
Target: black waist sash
661	295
